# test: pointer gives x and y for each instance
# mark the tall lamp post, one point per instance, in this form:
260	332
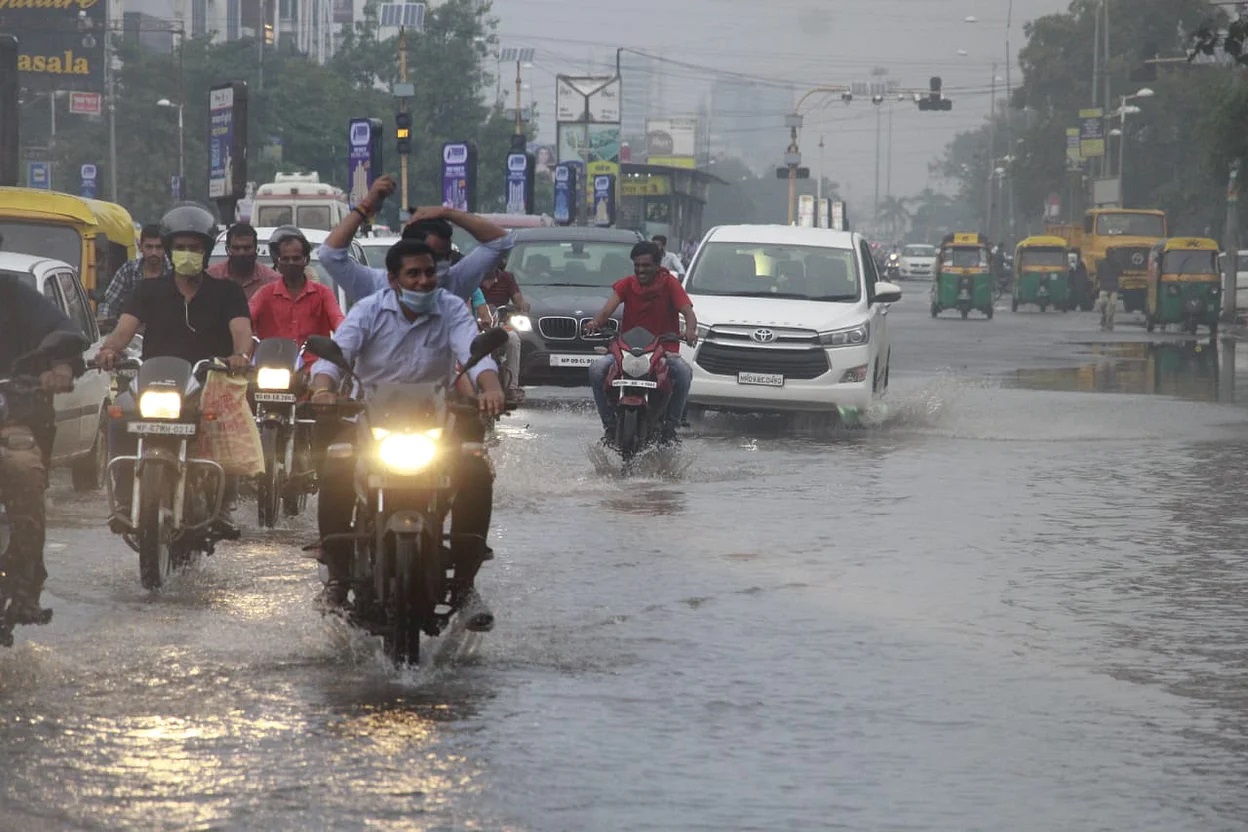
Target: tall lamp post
1123	112
165	102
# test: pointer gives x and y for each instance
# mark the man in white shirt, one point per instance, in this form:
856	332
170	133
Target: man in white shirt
669	260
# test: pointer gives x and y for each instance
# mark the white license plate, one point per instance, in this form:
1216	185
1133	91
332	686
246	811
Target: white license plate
572	360
964	295
162	428
282	398
763	379
633	382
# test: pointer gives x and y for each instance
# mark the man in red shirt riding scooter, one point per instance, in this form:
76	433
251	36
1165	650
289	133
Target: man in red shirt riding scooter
653	299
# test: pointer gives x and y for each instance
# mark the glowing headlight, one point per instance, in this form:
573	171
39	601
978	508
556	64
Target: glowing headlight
636	366
273	378
407	453
521	323
160	404
381	433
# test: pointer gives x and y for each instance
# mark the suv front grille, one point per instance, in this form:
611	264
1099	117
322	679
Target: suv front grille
558	329
723	360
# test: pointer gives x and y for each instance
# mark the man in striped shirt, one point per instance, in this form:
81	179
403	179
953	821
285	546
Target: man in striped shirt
151	262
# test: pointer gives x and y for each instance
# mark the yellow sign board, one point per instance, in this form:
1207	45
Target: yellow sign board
686	162
646	185
964	239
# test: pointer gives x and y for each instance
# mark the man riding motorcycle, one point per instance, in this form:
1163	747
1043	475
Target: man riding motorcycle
186	314
654	299
26	432
411	333
500	288
434	226
294	307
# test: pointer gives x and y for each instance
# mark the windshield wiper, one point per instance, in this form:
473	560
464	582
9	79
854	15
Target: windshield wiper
835	297
753	294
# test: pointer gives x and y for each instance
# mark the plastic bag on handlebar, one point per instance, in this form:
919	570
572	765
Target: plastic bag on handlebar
227	430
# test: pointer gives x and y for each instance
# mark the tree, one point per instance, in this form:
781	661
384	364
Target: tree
894	214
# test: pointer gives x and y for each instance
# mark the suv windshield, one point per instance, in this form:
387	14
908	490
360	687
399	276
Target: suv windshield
570	263
918	251
783	271
39	239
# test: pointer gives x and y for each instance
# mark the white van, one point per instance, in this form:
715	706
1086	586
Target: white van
299	199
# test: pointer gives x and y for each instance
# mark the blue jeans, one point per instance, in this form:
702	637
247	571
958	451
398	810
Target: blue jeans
680	373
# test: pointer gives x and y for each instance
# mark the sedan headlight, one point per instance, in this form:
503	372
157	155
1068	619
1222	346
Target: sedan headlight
160	404
406	454
853	336
273	378
637	366
521	323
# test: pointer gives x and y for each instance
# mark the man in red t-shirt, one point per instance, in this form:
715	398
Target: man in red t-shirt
294	307
653	299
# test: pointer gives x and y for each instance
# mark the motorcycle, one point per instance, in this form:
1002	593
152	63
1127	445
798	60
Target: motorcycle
175	500
892	267
276	388
17	394
409	440
638	388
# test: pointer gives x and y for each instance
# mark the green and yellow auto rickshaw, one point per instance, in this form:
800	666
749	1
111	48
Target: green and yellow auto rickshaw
1184	284
1042	274
964	278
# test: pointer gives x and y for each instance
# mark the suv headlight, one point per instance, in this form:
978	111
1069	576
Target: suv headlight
637	366
854	336
406	454
704	332
520	323
160	404
273	378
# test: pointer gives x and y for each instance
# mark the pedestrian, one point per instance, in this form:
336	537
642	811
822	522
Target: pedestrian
1107	275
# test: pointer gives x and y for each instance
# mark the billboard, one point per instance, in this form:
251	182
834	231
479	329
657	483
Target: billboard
459	176
587	98
1092	132
520	183
60	43
604	200
227	141
565	193
364	137
589	143
1072	145
343	11
672	142
806	211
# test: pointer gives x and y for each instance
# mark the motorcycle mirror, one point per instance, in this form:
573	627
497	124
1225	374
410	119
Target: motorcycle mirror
486	343
324	347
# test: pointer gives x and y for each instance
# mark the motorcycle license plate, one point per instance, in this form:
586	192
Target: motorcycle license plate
572	360
162	428
280	398
761	379
964	295
634	382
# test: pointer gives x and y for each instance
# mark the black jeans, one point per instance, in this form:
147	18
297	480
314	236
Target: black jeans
471	509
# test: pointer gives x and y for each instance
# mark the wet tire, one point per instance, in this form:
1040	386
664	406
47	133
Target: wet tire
989	311
155	517
88	472
935	310
1149	323
408	603
628	433
1044	307
269	483
1014	305
965	313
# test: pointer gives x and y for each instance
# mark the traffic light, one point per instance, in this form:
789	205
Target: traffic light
934	100
403	132
269	35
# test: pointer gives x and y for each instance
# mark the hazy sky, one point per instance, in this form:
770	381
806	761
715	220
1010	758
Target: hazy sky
808	42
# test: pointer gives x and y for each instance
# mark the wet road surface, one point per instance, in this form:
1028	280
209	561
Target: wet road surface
1014	601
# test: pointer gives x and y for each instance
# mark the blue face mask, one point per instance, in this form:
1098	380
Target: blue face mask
419	303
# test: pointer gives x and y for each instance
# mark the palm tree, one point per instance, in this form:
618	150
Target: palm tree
894	214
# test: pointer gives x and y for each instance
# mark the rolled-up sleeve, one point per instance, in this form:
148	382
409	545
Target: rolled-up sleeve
463	328
349	337
356	279
467	274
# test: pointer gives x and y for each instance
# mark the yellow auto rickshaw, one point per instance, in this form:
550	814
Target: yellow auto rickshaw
1041	274
93	236
963	276
1184	284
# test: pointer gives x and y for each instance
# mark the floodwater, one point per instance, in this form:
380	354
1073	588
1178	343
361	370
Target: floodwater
1014	601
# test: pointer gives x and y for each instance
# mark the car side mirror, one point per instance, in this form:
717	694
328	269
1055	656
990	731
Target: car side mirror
887	292
325	347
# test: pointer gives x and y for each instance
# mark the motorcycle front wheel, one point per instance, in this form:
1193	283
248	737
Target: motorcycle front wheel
410	599
155	517
628	434
268	484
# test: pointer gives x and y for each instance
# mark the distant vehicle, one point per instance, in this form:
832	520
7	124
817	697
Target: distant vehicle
789	319
511	222
375	249
315	237
300	199
918	262
80	433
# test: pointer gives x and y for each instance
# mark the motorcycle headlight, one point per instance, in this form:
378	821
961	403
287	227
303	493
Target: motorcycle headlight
273	378
160	404
853	336
406	454
637	366
521	323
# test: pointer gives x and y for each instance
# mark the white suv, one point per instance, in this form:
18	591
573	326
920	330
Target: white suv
918	261
789	318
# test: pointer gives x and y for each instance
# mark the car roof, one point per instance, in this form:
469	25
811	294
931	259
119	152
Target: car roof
577	233
782	235
14	262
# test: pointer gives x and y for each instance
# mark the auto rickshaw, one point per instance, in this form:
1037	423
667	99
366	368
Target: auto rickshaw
1042	274
1184	284
964	278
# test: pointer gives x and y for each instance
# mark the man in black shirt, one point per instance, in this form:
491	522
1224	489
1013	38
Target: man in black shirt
27	428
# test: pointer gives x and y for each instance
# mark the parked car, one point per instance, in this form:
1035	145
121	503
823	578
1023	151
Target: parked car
375	248
80	439
918	262
789	319
315	237
566	274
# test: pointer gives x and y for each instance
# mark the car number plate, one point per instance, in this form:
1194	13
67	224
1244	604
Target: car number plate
964	295
572	360
634	382
282	398
763	379
162	428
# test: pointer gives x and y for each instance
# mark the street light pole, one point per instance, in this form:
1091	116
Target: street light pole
793	160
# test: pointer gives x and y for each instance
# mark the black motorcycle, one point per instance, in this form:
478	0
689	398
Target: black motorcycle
285	438
409	439
18	396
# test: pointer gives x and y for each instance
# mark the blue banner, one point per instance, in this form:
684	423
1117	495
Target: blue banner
565	194
88	175
364	158
39	175
456	165
520	183
604	200
221	143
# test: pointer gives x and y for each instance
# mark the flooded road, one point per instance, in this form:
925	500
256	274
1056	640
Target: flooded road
1014	601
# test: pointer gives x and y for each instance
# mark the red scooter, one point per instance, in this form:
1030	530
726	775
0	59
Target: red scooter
638	388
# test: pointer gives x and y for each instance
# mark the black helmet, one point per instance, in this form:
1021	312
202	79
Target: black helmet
189	218
287	232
